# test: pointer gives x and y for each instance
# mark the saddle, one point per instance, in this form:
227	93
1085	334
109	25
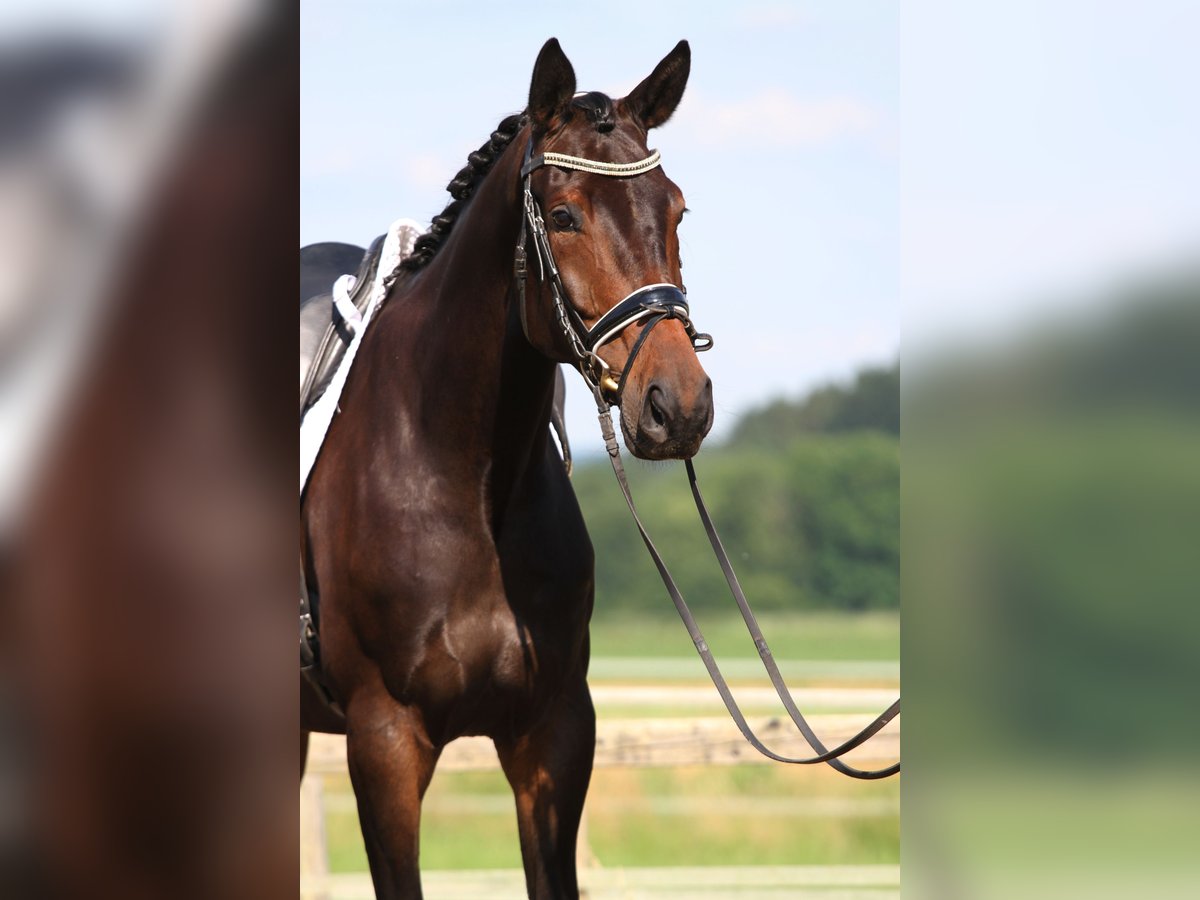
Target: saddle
324	334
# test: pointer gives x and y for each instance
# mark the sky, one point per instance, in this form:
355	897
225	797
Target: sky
1050	152
859	172
785	146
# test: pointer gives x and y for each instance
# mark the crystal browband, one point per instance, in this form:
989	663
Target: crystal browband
591	165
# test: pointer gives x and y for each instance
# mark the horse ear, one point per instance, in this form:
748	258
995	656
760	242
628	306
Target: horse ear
655	99
553	83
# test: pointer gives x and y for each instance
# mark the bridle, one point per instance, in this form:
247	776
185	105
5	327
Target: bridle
653	304
650	304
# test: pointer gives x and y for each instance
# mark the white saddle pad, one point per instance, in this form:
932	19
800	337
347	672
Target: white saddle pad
401	236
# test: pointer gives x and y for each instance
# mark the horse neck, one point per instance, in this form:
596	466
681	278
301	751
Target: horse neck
484	393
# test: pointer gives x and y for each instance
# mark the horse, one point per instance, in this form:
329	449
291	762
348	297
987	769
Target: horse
441	540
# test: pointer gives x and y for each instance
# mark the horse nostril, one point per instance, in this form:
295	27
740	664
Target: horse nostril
656	412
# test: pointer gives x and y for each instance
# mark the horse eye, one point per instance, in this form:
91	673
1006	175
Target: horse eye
562	217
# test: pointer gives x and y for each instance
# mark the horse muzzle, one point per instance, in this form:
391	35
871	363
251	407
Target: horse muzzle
671	421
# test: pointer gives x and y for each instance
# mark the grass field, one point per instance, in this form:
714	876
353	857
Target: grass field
816	637
686	816
690	816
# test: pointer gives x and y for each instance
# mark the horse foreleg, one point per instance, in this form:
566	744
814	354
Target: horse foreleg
549	770
391	762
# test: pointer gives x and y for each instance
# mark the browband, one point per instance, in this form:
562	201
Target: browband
596	167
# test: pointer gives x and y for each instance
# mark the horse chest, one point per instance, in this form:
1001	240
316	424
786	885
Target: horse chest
474	621
483	669
479	631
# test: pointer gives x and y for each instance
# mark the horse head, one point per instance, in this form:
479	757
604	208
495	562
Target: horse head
607	273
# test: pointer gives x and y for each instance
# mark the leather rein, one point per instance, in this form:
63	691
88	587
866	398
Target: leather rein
652	304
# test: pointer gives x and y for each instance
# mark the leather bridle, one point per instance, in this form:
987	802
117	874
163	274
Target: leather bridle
653	304
650	304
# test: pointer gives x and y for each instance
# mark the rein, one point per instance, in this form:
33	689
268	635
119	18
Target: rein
824	755
653	304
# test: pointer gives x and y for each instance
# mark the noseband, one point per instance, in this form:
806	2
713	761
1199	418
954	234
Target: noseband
649	304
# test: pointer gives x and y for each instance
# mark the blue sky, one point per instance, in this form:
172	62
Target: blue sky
786	148
1050	150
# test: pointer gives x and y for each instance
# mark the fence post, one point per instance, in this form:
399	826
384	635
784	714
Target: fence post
584	857
314	855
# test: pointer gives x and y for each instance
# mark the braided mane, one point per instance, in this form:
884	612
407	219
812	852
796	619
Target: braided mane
461	187
597	107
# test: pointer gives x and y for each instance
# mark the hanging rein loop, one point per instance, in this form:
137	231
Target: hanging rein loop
824	755
651	305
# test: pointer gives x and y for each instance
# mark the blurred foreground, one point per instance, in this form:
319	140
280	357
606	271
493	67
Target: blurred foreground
1051	525
147	682
1051	409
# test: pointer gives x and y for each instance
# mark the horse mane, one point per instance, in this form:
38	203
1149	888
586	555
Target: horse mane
596	106
461	187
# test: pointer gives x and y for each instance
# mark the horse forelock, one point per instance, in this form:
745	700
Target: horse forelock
598	108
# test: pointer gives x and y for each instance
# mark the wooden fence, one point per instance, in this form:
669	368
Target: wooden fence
619	742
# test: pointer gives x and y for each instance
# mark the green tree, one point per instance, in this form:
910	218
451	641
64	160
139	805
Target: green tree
806	496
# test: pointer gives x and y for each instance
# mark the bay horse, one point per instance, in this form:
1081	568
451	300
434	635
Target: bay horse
440	532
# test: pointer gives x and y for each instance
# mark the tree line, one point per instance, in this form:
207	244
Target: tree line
805	493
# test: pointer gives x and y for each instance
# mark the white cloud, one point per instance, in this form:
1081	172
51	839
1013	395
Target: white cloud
776	118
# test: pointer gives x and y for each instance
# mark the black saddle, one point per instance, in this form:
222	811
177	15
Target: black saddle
323	335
